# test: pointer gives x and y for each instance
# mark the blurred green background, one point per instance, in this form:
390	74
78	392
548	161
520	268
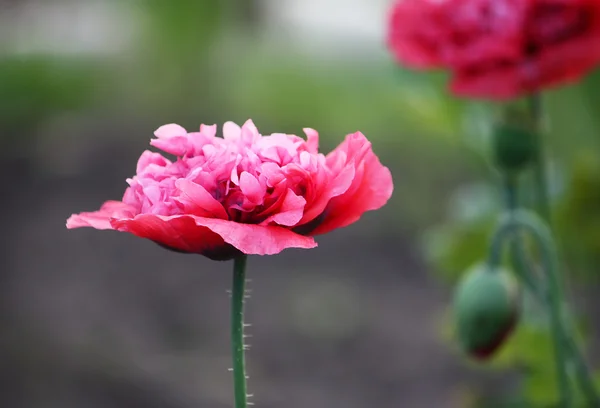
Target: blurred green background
94	319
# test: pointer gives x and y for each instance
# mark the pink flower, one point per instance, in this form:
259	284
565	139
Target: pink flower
498	49
243	193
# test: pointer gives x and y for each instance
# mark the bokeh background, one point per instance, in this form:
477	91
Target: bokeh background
100	319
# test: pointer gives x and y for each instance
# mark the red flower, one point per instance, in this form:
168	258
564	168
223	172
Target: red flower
244	193
498	49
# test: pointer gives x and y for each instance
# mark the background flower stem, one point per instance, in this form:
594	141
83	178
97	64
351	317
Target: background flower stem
525	220
237	331
518	253
582	370
584	374
555	300
540	167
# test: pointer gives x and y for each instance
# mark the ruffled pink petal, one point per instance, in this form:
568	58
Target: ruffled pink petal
198	200
342	181
371	188
312	140
231	131
170	131
148	159
278	146
326	189
257	239
180	233
249	132
272	172
290	212
197	234
209	131
172	139
101	219
252	188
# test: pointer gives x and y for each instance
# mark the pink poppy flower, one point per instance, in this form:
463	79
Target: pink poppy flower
243	193
498	49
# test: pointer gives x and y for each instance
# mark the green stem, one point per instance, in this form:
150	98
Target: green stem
583	372
541	233
538	288
539	164
518	256
237	331
543	201
554	289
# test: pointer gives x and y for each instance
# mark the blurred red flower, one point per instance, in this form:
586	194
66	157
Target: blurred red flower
244	193
498	49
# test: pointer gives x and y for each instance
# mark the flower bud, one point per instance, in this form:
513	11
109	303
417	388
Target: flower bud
514	147
487	308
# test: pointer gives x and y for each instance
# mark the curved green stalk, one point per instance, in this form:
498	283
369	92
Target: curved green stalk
518	256
583	372
237	331
510	224
538	288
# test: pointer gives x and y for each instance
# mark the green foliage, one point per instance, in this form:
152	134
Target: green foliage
461	240
352	97
578	216
171	66
35	88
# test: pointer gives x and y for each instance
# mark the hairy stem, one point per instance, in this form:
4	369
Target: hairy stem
237	331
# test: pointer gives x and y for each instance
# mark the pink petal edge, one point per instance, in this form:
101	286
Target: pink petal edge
250	239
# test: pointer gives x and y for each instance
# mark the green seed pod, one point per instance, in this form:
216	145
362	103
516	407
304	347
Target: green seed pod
514	147
487	307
